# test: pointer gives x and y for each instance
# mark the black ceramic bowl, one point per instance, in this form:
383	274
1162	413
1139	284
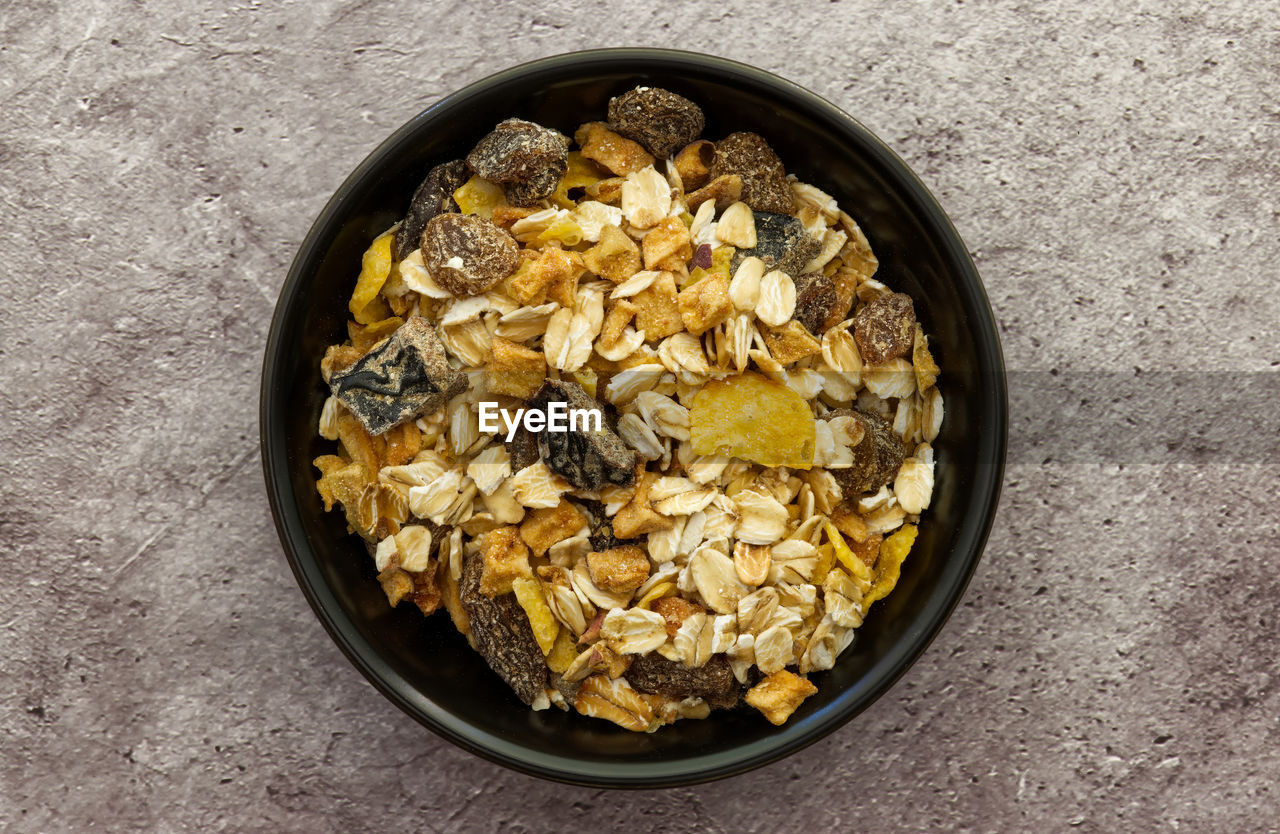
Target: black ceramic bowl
422	664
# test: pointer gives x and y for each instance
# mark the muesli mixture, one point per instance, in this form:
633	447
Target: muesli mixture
764	411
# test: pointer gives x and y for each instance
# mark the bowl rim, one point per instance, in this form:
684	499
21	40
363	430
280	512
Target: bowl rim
971	537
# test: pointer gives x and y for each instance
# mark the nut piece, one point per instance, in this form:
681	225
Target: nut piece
502	635
587	457
467	254
544	527
505	558
779	695
613	700
616	153
876	457
618	569
667	246
658	119
693	163
764	179
407	376
434	196
675	610
657	309
885	328
713	681
515	370
706	304
615	258
527	158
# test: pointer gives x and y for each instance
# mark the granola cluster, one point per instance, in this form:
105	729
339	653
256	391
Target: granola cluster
767	408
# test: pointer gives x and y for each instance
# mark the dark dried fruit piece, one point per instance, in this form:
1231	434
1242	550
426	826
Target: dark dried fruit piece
434	196
587	459
815	300
713	681
407	376
658	119
764	179
781	242
602	537
876	459
522	448
527	158
467	254
502	634
885	329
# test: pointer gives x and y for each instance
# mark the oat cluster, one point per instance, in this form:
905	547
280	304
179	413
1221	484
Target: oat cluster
768	413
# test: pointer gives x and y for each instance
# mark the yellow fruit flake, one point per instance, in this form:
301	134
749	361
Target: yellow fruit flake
480	197
544	624
565	230
563	653
856	567
366	305
826	561
657	592
751	417
893	552
580	173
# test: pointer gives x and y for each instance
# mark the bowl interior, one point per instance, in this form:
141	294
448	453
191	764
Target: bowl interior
422	664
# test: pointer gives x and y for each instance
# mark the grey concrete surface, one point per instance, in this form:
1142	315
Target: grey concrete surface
1113	170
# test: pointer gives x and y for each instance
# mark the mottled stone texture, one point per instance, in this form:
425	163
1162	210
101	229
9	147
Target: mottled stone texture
1112	666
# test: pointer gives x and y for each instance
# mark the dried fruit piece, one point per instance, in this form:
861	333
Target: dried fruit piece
617	153
541	621
366	304
893	552
638	518
480	197
587	457
618	569
713	681
675	610
563	652
434	196
779	695
876	458
791	342
667	245
658	119
658	309
693	163
505	558
706	303
527	158
466	254
885	328
502	634
781	243
723	191
513	369
751	417
922	362
816	302
615	258
545	526
582	173
554	272
764	179
407	376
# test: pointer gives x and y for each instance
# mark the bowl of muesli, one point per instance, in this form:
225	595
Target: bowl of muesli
633	417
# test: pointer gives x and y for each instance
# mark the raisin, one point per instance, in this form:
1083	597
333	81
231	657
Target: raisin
502	634
407	376
764	179
815	300
434	196
658	119
781	242
713	681
885	328
876	459
526	158
588	459
467	254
